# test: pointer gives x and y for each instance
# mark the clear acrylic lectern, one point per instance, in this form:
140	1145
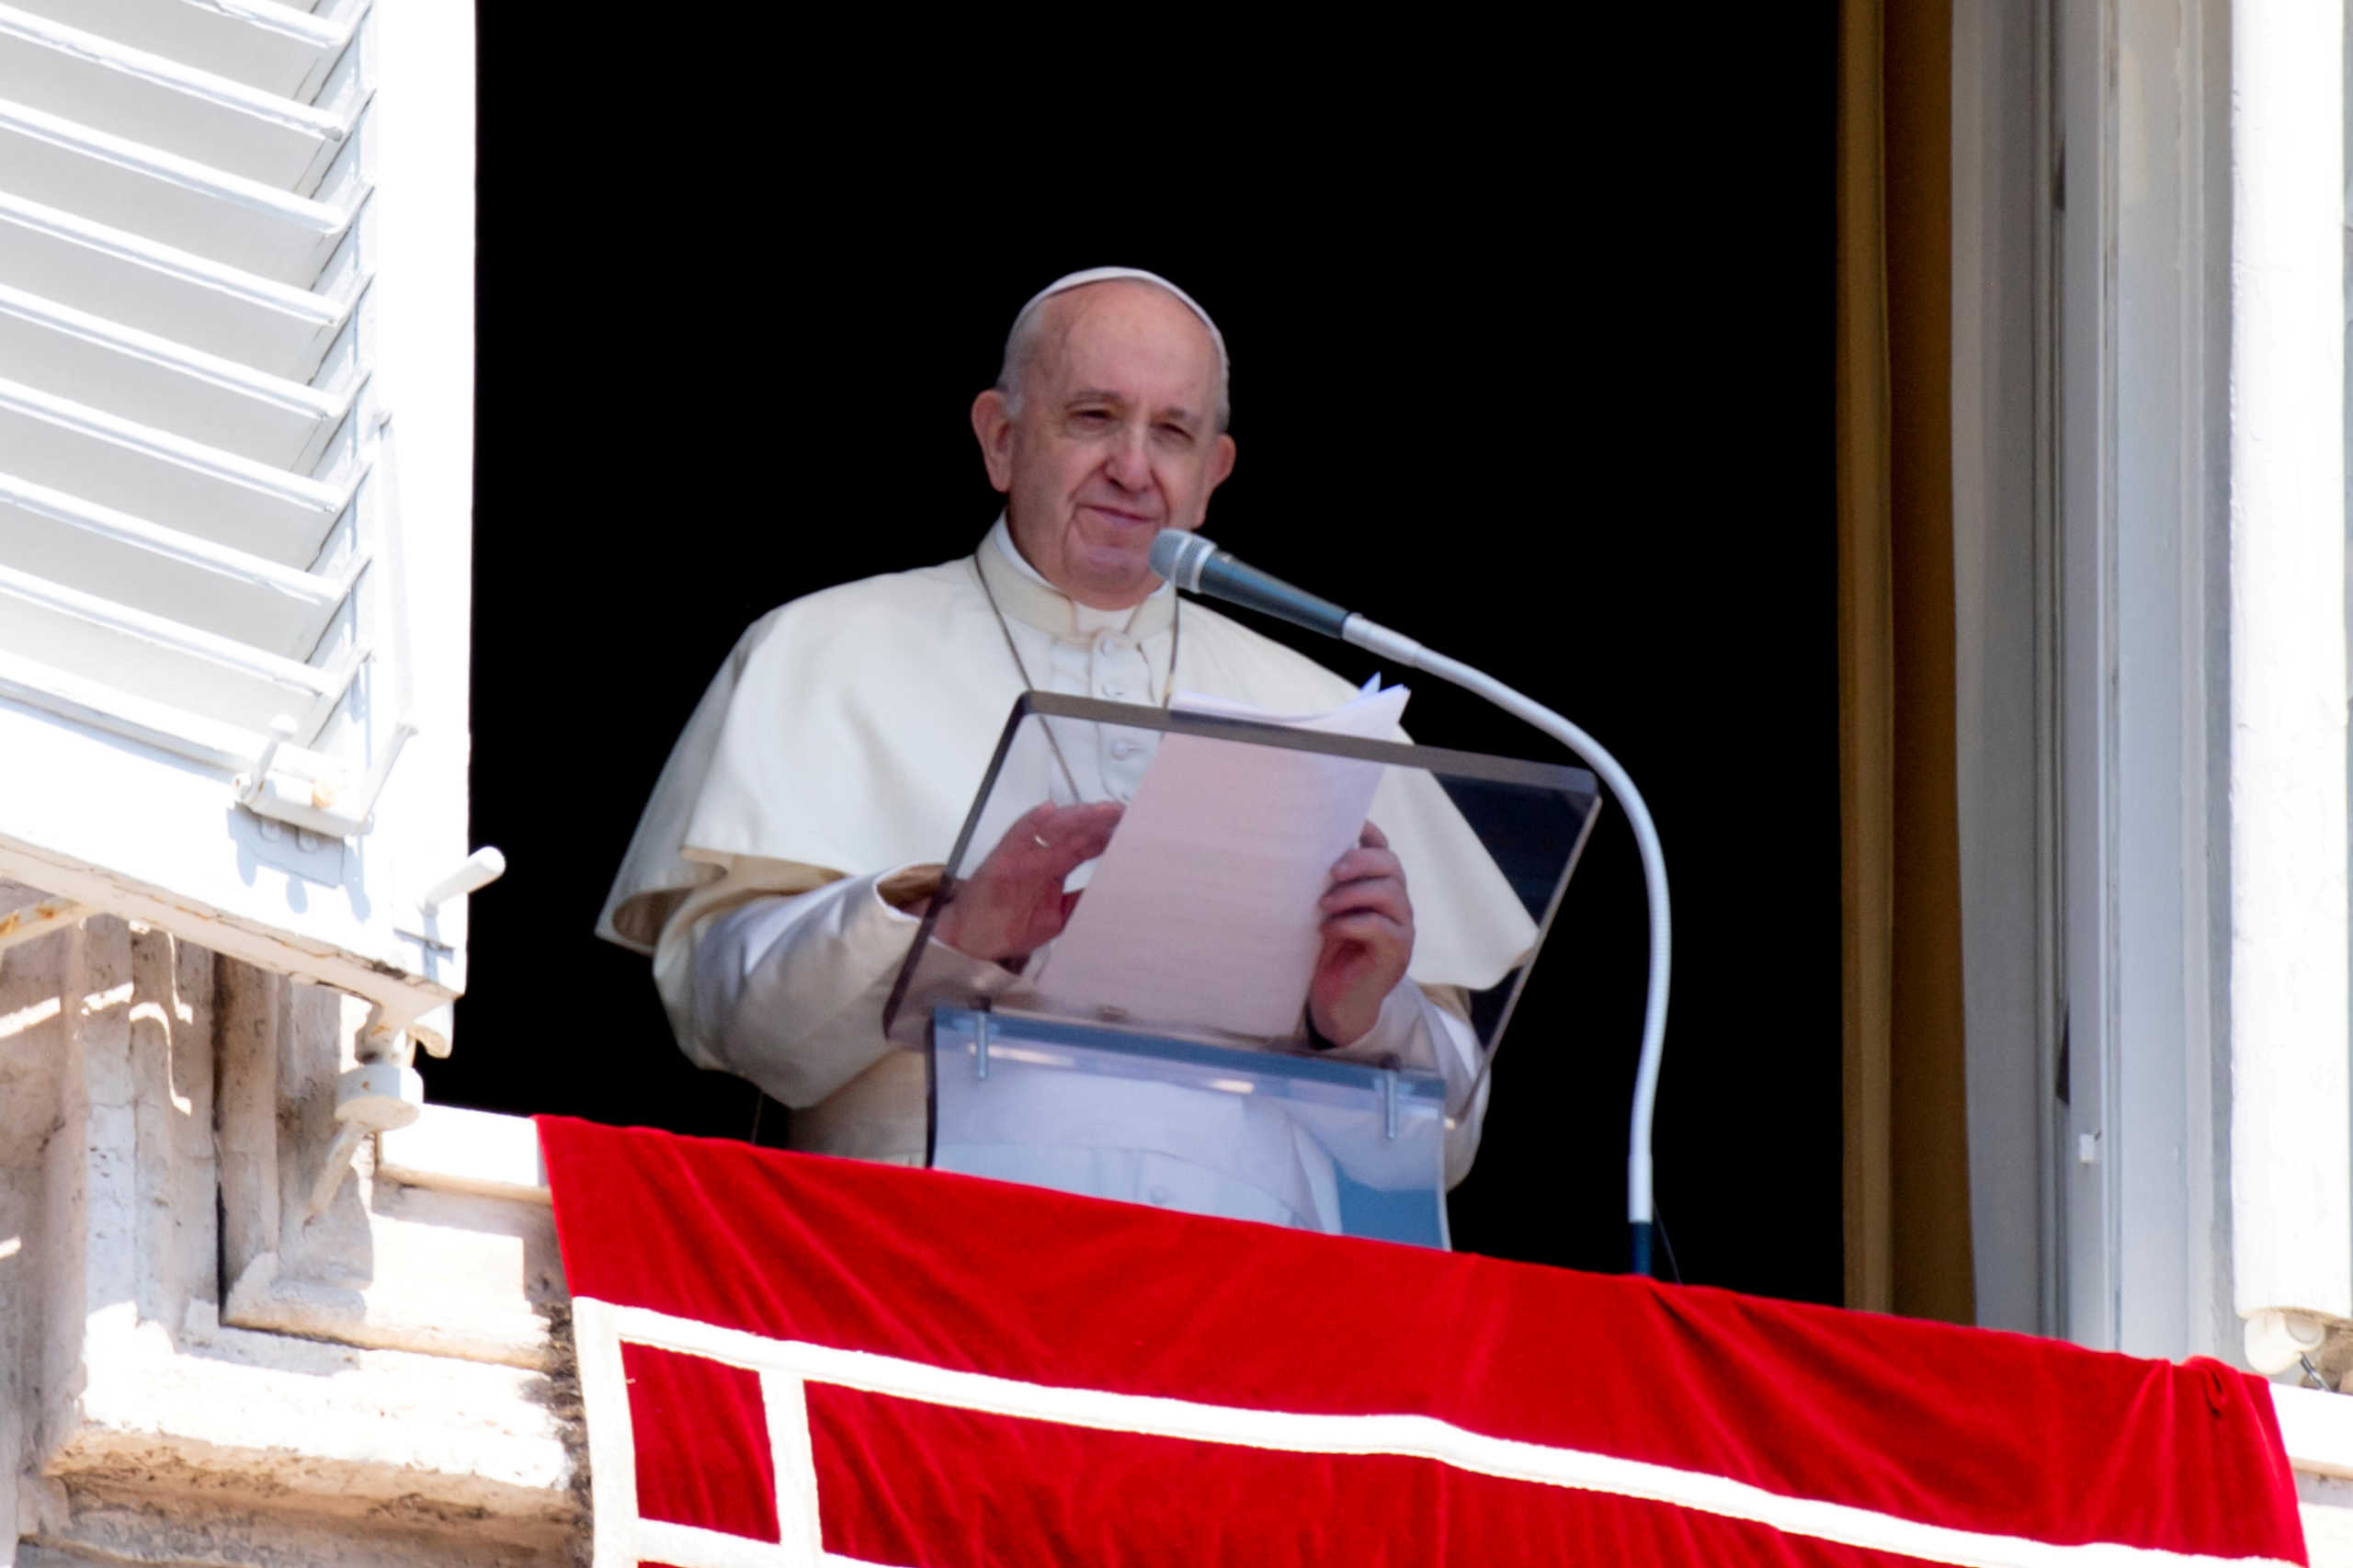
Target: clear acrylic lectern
1159	1050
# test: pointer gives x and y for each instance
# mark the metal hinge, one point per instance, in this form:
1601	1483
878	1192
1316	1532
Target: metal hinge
320	806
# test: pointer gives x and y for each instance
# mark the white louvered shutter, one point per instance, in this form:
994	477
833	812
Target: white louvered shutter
236	249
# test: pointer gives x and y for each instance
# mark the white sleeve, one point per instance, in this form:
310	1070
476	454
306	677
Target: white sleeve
788	992
1414	1030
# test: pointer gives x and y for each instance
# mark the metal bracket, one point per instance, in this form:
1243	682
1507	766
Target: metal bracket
375	1096
319	808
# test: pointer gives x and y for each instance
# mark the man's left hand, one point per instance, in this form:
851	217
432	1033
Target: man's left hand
1368	940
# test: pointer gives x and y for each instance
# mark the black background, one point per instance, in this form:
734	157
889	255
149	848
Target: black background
1552	393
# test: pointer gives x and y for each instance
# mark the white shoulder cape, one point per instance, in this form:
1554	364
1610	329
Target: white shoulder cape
849	730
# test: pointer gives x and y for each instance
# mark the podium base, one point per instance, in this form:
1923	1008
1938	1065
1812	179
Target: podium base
1106	1111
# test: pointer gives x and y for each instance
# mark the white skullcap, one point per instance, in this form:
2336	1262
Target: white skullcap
1105	275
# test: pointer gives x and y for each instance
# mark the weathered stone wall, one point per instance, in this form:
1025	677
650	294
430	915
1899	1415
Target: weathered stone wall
382	1387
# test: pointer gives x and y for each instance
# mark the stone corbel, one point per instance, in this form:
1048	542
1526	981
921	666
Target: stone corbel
325	1239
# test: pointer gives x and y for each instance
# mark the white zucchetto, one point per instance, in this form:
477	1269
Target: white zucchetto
1064	285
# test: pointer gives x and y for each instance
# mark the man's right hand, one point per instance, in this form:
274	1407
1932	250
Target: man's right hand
1014	903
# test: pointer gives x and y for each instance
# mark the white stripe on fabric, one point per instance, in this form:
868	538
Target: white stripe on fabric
786	1401
690	1546
613	1445
1417	1437
622	1538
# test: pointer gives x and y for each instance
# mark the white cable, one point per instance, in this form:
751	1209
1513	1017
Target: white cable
1395	647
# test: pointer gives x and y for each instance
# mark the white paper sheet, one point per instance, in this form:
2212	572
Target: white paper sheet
1203	910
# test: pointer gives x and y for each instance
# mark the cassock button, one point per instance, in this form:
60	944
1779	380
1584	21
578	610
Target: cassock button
1123	748
1160	1197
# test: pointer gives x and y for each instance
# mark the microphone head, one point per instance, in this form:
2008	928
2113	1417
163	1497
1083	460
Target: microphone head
1179	556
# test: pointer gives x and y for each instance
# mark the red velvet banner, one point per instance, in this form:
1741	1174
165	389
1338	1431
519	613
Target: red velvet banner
857	1363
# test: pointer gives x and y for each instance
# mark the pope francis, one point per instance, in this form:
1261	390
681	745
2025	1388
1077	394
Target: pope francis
779	873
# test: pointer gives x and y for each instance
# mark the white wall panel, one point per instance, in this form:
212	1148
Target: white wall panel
2291	1015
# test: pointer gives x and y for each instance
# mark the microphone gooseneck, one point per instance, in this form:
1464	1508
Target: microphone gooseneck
1193	563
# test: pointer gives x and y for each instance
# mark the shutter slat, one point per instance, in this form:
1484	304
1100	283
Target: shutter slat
134	468
126	92
33	690
275	47
140	376
273	327
198	671
150	567
167	197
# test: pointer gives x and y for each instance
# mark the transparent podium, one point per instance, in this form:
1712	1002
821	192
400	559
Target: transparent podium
1159	1048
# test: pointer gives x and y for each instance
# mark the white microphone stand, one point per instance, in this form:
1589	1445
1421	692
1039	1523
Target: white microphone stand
1395	647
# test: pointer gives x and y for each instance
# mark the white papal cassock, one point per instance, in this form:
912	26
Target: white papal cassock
826	774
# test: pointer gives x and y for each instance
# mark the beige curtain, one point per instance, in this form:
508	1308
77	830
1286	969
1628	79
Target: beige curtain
1906	1157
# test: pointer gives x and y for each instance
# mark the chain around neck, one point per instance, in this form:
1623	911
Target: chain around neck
1167	685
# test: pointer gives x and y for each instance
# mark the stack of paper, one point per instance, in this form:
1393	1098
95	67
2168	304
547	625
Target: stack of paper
1203	911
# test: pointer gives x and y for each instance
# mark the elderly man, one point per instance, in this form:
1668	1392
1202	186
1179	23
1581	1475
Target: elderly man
781	869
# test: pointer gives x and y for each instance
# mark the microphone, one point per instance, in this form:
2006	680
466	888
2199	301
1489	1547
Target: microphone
1197	566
